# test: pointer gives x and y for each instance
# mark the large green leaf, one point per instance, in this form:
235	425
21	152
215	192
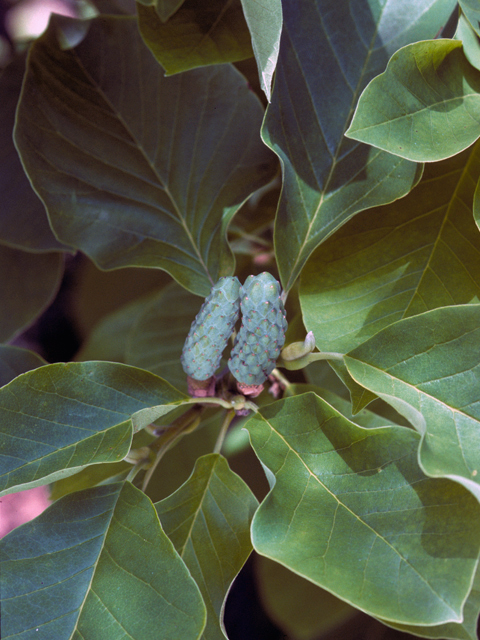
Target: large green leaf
471	9
198	34
57	419
328	178
156	339
14	361
208	521
426	106
23	220
350	509
96	564
264	20
107	341
28	284
428	368
135	168
466	630
396	261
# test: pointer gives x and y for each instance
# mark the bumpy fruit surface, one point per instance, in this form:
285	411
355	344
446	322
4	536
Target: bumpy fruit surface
211	329
262	334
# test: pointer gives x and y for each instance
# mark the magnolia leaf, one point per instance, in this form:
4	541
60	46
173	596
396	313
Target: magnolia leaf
471	43
471	9
350	510
264	21
60	418
327	177
197	35
301	609
427	367
28	284
425	106
96	564
107	341
137	169
208	521
466	630
14	361
23	220
396	261
156	339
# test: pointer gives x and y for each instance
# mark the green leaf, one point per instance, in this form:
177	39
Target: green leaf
328	178
156	339
197	35
96	564
466	630
302	610
28	284
471	9
14	361
350	510
137	169
471	44
208	521
57	419
425	107
397	261
427	367
107	341
264	21
23	220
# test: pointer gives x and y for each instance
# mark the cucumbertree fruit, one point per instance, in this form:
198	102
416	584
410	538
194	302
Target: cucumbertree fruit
262	334
210	331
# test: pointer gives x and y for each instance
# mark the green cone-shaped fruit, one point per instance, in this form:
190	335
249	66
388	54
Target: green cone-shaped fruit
262	334
211	329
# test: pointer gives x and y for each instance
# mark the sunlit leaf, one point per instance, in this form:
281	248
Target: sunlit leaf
328	178
96	564
350	510
396	261
137	169
426	106
264	20
428	368
28	284
57	419
208	521
197	35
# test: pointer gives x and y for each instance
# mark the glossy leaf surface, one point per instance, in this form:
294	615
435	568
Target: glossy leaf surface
350	510
57	419
208	520
428	368
264	21
328	178
425	107
392	262
15	361
137	169
96	564
197	35
28	284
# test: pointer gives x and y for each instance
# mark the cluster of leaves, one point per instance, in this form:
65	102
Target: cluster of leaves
142	140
